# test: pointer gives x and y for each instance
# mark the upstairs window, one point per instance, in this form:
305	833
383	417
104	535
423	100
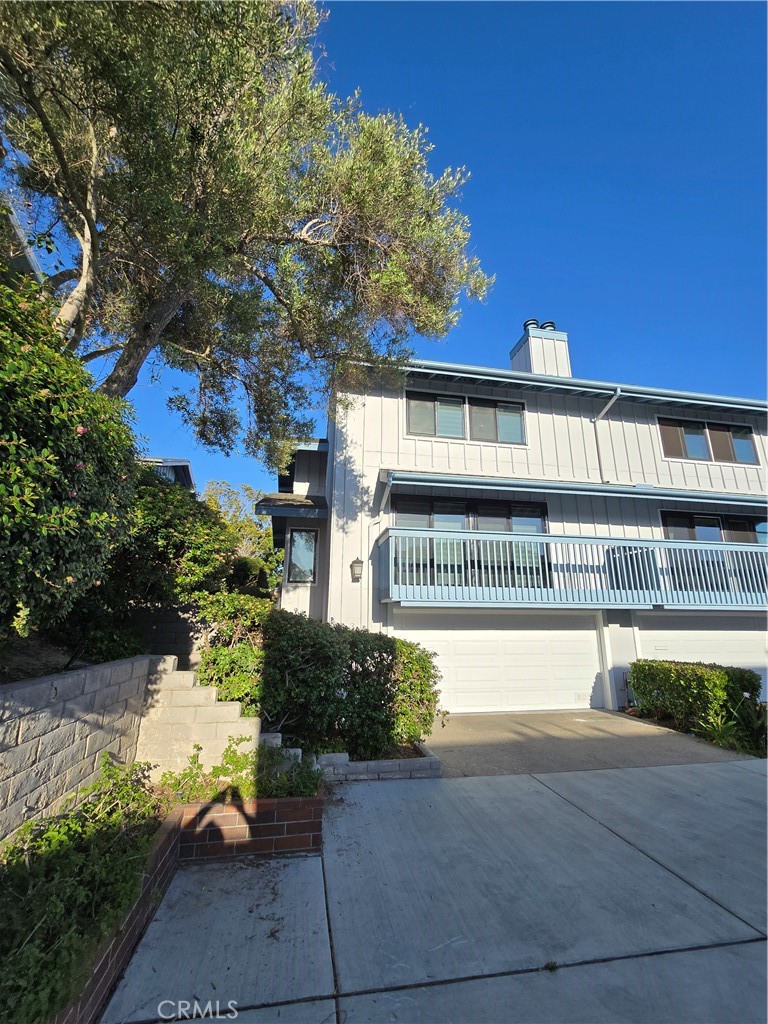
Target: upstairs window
707	442
709	528
435	415
496	421
486	516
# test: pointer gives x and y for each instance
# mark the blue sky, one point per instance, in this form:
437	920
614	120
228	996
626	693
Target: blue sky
618	156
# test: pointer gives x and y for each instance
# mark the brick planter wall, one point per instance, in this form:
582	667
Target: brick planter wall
290	824
195	832
117	951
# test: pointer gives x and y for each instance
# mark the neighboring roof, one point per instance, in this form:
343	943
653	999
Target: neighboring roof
302	506
176	470
398	478
488	376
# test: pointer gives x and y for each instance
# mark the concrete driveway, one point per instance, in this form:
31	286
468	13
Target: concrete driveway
562	741
632	895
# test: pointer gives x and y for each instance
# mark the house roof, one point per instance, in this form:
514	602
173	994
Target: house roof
426	369
301	506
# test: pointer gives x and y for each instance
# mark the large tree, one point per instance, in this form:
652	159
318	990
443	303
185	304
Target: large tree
230	216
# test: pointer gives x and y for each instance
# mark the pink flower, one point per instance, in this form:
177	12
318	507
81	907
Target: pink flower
73	494
81	430
79	465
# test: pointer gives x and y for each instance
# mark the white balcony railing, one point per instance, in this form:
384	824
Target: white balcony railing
451	568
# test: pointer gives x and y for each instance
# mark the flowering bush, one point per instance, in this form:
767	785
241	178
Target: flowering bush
66	469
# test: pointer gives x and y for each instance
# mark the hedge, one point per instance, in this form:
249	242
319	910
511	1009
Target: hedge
326	686
691	692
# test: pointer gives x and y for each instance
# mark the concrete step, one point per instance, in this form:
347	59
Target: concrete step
175	680
195	696
271	739
210	713
165	663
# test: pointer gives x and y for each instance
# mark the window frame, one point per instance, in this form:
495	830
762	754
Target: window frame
471	506
725	520
713	460
494	403
315	533
435	397
466	402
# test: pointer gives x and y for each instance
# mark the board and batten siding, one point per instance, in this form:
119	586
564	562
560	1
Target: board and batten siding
369	435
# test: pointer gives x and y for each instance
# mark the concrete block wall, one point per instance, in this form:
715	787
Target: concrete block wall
53	731
338	768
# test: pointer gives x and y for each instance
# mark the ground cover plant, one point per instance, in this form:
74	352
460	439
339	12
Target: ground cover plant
65	882
721	703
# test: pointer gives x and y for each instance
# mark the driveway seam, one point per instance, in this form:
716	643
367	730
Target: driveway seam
480	977
330	943
650	857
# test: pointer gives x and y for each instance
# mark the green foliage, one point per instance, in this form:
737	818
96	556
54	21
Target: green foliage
65	882
242	775
416	699
258	568
66	469
280	238
237	672
329	686
720	702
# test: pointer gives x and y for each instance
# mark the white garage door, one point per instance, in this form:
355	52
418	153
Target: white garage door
737	640
509	661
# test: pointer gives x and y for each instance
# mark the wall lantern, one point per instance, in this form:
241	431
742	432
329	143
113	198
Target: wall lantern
356	568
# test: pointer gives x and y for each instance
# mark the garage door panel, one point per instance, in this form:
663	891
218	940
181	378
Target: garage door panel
533	663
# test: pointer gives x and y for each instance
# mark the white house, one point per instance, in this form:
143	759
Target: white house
537	531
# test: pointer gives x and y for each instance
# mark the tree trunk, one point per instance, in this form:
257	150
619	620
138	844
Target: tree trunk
70	320
142	340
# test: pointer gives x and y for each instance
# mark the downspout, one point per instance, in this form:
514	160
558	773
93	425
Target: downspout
595	421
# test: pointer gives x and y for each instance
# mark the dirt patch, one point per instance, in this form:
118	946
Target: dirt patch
27	657
399	753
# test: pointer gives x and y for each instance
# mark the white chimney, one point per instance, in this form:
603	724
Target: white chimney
542	349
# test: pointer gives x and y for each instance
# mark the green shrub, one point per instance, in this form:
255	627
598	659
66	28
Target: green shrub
302	692
691	693
237	672
416	695
242	775
66	469
332	687
231	617
65	882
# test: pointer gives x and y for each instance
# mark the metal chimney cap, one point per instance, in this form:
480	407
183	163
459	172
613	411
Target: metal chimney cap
548	325
530	323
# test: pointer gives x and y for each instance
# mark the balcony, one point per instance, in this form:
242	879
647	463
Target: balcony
432	567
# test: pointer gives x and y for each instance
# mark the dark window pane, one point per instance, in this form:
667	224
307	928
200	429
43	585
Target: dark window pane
510	421
482	422
744	445
677	525
672	439
450	515
492	519
450	417
302	564
696	446
722	445
413	513
421	416
740	531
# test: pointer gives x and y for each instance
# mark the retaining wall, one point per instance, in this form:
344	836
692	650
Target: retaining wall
53	731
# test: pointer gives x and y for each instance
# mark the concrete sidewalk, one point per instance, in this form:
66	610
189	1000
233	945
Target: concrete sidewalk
598	896
534	742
